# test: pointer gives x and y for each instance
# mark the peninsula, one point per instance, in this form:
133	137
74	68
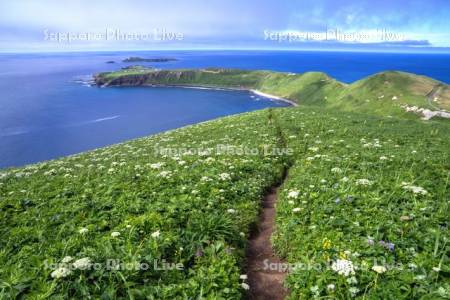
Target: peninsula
390	93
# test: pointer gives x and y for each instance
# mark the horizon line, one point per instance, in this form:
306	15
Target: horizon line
427	50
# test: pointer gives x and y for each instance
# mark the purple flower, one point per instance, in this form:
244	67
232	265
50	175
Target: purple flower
387	245
337	200
199	253
390	246
370	242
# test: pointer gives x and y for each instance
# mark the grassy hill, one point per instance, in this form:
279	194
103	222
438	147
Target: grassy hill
385	93
363	212
369	190
173	197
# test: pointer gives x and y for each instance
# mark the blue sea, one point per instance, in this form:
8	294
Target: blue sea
47	110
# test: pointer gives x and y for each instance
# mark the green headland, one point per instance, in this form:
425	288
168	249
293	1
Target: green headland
390	93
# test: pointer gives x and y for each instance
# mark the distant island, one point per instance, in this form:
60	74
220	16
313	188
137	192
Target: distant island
110	62
390	93
141	59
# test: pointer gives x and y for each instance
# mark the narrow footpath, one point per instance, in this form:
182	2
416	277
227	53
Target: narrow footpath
264	283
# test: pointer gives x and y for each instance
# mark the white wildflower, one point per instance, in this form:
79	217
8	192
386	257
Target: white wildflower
61	272
165	174
156	234
67	259
83	230
353	291
245	286
379	269
156	166
415	189
352	280
82	263
293	194
205	179
436	269
115	234
297	209
315	290
364	181
243	277
231	211
331	287
442	292
336	170
224	176
405	218
343	267
412	266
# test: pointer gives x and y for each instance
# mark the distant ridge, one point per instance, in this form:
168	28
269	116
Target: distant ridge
390	93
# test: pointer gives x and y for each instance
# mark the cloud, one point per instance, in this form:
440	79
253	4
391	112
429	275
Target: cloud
407	43
221	22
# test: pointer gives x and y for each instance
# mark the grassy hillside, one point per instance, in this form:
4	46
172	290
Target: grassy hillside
371	191
140	202
365	192
384	94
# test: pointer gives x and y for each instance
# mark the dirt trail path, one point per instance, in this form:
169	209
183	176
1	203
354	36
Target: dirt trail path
264	283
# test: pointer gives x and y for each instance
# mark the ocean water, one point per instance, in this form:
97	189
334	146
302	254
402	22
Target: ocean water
47	110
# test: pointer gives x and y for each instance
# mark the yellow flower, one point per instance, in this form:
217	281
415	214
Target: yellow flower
342	255
326	244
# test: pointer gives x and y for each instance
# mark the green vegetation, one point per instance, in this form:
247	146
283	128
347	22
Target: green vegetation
373	191
384	94
364	208
365	192
194	209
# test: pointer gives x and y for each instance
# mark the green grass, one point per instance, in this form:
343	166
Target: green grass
381	94
197	209
335	216
202	208
365	189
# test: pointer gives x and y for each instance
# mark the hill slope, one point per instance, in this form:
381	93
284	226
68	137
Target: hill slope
368	190
387	93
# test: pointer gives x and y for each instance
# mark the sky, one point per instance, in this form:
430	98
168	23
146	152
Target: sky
381	25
